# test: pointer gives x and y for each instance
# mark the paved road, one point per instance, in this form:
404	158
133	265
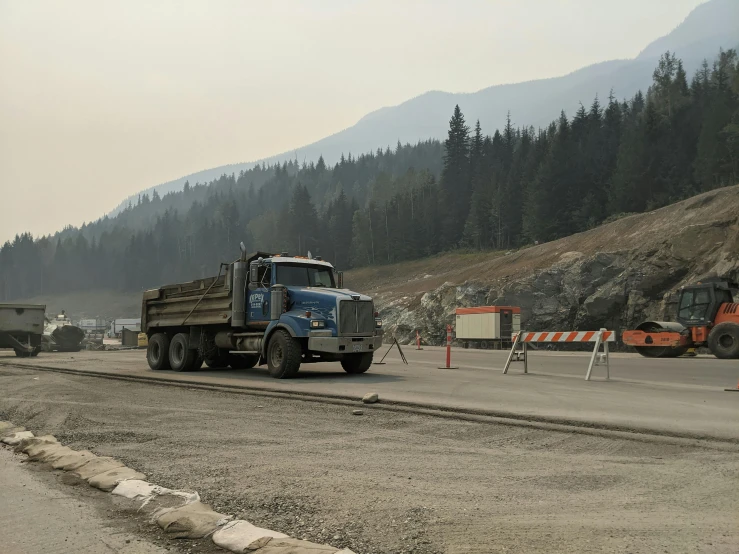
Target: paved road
683	396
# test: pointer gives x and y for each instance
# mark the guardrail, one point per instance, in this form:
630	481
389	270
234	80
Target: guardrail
600	338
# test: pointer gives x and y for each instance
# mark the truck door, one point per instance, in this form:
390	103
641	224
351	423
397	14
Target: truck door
257	301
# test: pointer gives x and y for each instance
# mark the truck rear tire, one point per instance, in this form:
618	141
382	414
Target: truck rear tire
157	352
237	361
723	340
283	355
357	363
181	357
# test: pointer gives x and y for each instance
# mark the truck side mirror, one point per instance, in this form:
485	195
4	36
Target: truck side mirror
254	272
340	279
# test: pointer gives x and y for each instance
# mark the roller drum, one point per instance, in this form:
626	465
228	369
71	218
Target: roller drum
661	351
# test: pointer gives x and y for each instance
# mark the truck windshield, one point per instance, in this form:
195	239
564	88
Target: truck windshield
303	275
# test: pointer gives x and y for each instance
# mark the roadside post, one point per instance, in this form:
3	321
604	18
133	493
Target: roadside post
449	349
418	340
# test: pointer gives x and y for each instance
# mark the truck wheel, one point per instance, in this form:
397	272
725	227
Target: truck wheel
157	352
238	361
283	355
357	363
22	354
723	340
181	357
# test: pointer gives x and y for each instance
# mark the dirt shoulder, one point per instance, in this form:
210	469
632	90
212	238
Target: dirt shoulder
388	482
40	514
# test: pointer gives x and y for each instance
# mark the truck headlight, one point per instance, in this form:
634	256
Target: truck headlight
317	324
378	322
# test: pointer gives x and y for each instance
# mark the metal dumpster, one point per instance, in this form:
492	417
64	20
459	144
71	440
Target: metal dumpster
21	327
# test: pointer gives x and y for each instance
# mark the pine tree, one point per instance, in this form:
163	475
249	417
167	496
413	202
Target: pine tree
716	163
548	209
455	180
475	229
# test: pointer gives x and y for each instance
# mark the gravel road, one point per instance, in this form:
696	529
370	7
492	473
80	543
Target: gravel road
387	482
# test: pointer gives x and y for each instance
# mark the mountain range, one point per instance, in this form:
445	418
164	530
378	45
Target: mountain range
710	26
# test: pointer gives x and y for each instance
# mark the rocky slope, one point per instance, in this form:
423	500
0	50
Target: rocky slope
614	276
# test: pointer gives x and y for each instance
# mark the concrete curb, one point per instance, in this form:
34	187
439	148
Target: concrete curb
179	513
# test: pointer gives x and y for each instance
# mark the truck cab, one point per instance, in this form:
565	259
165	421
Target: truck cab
306	302
272	309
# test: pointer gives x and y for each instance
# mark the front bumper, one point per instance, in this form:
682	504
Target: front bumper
343	345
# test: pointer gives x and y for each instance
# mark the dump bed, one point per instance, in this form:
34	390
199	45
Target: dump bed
22	318
187	304
21	326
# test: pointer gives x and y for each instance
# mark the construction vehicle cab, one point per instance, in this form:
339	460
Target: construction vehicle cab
706	316
699	304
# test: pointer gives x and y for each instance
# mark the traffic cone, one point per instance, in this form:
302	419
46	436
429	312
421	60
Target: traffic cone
733	390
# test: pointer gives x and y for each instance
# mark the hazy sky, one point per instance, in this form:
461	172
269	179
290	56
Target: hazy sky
100	99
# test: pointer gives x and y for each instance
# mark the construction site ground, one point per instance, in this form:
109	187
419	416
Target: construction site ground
404	478
680	397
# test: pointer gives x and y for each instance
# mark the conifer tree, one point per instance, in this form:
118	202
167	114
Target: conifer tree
455	179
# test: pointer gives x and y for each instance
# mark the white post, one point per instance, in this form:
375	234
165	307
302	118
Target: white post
525	359
595	354
608	362
513	350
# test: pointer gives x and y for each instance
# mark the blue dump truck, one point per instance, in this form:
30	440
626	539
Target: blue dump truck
278	310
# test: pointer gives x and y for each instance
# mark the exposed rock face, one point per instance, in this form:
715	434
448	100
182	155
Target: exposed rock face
614	276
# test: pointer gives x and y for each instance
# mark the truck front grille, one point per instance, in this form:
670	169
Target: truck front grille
356	317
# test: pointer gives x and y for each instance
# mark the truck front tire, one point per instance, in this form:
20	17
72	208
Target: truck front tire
356	363
283	355
157	352
181	357
723	340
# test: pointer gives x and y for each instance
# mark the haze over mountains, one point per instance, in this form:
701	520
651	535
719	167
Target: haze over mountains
710	26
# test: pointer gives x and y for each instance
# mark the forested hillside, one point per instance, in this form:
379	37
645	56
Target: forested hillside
710	26
517	186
